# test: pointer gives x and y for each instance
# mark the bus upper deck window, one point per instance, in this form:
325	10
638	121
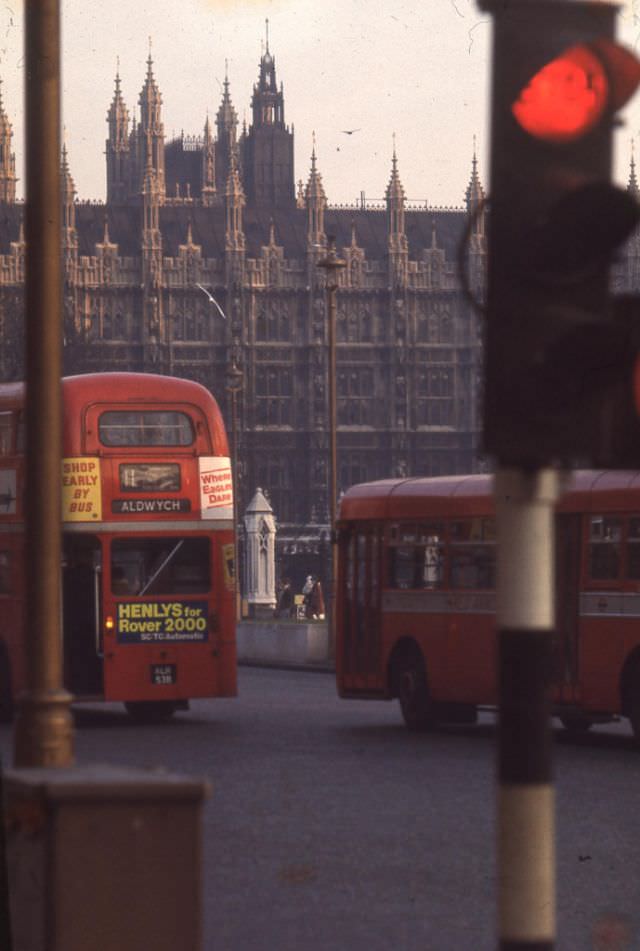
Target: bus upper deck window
605	536
145	428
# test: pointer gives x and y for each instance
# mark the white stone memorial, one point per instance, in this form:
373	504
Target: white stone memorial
260	562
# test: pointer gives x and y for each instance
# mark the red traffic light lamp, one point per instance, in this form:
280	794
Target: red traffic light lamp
554	339
569	95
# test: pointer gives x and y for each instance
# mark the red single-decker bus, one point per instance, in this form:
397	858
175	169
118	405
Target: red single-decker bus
416	605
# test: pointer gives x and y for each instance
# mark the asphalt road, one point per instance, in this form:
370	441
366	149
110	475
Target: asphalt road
331	827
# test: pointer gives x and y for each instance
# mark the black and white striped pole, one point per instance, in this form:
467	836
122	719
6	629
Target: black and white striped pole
525	620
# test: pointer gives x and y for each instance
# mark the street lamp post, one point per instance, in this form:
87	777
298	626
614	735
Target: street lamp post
331	264
44	727
234	385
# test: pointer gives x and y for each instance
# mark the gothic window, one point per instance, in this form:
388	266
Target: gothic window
355	392
446	330
107	329
119	331
273	396
434	402
341	326
94	327
189	327
178	327
275	477
423	326
201	327
353	469
365	325
273	322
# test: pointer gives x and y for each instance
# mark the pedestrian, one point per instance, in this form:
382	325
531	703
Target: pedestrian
307	588
316	601
285	599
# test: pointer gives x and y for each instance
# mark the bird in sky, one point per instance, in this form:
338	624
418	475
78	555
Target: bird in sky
349	131
213	300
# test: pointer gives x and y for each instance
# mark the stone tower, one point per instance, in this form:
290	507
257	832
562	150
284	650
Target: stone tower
267	148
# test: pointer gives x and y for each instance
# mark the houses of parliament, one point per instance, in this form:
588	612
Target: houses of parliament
221	212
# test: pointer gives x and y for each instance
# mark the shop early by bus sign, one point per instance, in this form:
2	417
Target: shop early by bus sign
145	622
216	487
81	489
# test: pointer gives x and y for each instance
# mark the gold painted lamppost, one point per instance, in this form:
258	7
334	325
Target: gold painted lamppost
331	264
234	386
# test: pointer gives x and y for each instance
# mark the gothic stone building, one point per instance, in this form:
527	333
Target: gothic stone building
221	211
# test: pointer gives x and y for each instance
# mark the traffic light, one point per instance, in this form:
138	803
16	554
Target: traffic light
560	352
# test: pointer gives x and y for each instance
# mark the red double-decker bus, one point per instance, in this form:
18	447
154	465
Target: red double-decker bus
415	607
147	543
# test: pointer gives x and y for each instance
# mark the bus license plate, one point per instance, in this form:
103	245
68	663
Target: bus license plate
163	673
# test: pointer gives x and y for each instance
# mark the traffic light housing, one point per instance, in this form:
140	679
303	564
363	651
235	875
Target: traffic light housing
559	351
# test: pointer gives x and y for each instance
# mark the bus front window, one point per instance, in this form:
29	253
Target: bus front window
154	566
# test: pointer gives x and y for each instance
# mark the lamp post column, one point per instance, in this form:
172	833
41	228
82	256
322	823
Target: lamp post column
234	385
331	264
44	727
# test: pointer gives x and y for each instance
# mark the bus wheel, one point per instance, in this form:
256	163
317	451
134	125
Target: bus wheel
6	691
150	711
574	723
413	691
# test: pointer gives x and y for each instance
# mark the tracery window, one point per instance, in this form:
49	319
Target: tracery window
273	396
273	321
355	396
434	397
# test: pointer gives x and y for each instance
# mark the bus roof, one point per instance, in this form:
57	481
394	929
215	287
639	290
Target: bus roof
118	387
586	491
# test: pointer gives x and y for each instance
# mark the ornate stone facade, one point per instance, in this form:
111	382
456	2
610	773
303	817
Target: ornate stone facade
221	215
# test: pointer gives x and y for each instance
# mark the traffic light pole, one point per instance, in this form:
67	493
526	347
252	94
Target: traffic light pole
525	620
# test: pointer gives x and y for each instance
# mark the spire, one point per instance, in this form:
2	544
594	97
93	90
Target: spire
68	186
117	149
267	101
150	100
68	194
7	157
150	130
632	186
315	189
476	206
118	116
475	192
316	202
395	191
227	117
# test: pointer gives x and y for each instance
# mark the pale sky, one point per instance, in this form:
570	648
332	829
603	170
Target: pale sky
416	68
